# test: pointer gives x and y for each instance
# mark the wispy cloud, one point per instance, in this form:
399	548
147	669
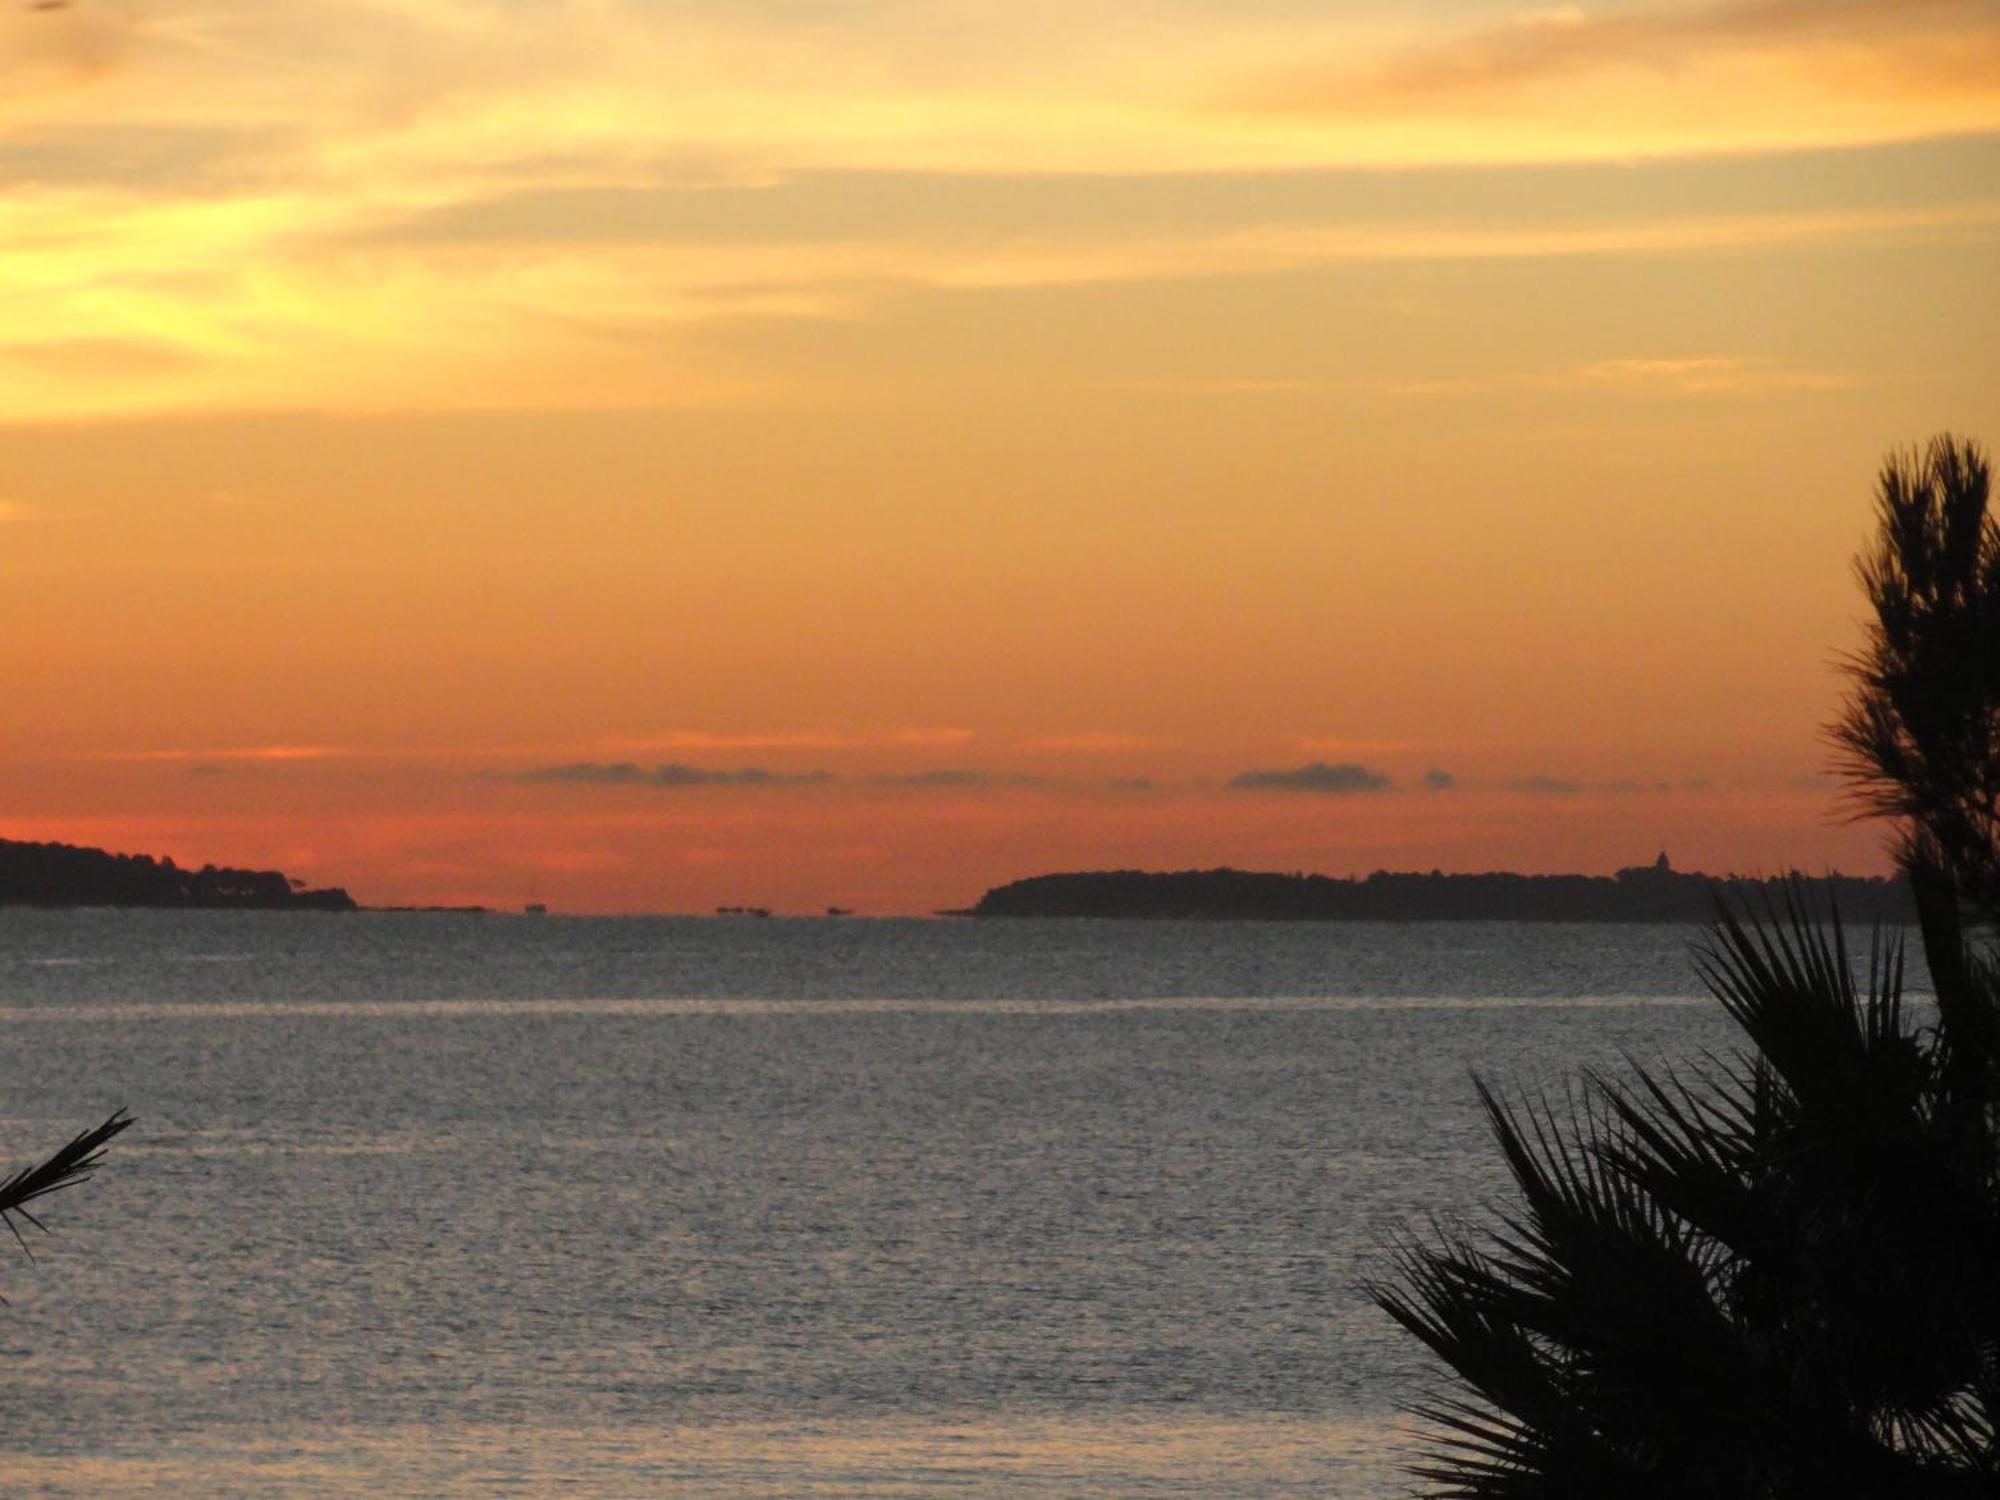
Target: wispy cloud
672	774
91	358
55	50
1633	376
1569	39
483	327
1616	786
603	750
439	206
676	774
1695	376
1545	786
227	753
1665	74
1673	376
940	780
702	739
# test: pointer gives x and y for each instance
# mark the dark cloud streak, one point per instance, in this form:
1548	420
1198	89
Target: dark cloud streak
1545	786
960	777
676	774
1340	779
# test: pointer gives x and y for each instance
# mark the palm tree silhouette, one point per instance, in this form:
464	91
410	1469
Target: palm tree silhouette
1775	1274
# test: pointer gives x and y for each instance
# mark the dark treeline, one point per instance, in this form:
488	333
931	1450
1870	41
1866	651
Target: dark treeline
1645	893
66	875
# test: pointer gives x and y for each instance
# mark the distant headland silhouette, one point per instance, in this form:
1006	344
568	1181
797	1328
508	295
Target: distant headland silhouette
68	875
1641	893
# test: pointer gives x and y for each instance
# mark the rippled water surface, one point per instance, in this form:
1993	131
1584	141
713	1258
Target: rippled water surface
454	1205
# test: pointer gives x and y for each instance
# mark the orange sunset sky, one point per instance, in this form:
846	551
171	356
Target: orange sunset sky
957	439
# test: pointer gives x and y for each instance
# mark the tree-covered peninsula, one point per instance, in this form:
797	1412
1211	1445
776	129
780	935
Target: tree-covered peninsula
1643	893
67	875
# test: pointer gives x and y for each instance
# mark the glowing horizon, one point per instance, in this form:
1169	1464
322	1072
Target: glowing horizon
999	429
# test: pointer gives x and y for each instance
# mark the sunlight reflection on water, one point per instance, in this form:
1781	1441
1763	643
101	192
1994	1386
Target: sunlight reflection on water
1133	1455
446	1009
450	1207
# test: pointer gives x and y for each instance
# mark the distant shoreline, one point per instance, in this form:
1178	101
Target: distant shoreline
70	875
1644	893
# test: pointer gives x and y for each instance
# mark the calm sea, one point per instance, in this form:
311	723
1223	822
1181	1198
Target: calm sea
439	1205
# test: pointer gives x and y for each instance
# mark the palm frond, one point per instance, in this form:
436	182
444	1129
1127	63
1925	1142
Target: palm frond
72	1164
1769	1275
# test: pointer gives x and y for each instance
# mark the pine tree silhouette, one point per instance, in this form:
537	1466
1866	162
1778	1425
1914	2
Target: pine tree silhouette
1776	1274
